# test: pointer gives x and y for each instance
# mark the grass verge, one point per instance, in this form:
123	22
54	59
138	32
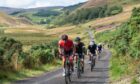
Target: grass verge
6	77
123	66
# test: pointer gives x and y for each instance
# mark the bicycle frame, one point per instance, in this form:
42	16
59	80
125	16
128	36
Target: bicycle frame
93	60
80	66
67	70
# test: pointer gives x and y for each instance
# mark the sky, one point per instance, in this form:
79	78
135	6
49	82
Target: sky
37	3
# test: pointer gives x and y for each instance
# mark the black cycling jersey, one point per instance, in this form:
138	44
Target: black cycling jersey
92	48
99	47
79	47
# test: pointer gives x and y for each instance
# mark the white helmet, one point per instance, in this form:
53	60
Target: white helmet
99	44
91	43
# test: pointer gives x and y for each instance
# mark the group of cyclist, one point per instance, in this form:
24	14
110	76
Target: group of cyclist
76	49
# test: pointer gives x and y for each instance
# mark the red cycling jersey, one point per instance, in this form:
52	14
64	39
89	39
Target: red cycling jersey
66	45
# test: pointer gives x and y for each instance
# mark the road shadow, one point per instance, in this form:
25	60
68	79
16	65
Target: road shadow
89	82
103	60
100	69
99	77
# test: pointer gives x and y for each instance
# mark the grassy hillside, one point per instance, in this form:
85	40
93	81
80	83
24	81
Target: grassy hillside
9	10
40	31
7	21
124	42
95	3
39	15
123	2
73	7
45	15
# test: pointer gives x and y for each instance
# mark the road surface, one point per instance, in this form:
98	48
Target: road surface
100	74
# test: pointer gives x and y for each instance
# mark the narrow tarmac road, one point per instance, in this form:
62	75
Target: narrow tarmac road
100	74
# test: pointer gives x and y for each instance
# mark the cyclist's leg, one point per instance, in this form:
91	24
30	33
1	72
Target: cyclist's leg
94	57
71	63
99	54
89	58
63	64
71	60
82	62
76	59
81	58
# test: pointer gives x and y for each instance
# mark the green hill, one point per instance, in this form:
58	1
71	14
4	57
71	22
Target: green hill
95	3
8	21
73	7
125	44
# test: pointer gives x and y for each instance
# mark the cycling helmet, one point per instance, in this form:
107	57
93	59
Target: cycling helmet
99	44
91	43
77	39
64	37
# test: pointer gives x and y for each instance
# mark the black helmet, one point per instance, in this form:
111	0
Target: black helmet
64	37
77	39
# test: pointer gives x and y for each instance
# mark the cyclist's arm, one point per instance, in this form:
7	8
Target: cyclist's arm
96	49
74	49
83	48
88	51
101	47
60	50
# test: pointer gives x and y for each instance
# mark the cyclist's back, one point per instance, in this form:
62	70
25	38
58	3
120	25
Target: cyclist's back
79	47
92	48
99	48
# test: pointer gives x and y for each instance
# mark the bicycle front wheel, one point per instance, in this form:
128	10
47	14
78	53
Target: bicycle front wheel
78	70
67	74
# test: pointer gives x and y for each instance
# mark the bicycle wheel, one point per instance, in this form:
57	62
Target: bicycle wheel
82	67
78	69
67	74
94	60
91	66
92	63
99	55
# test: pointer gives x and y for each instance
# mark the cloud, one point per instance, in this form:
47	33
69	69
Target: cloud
37	3
16	3
42	3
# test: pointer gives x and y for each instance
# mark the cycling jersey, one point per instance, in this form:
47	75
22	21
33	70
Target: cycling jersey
66	46
67	49
99	47
79	47
92	48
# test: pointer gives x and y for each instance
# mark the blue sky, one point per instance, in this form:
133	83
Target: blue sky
37	3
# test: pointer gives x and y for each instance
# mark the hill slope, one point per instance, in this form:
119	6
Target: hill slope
6	20
73	7
94	3
9	10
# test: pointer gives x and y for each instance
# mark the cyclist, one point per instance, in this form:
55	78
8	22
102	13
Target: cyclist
66	48
99	48
80	48
92	48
